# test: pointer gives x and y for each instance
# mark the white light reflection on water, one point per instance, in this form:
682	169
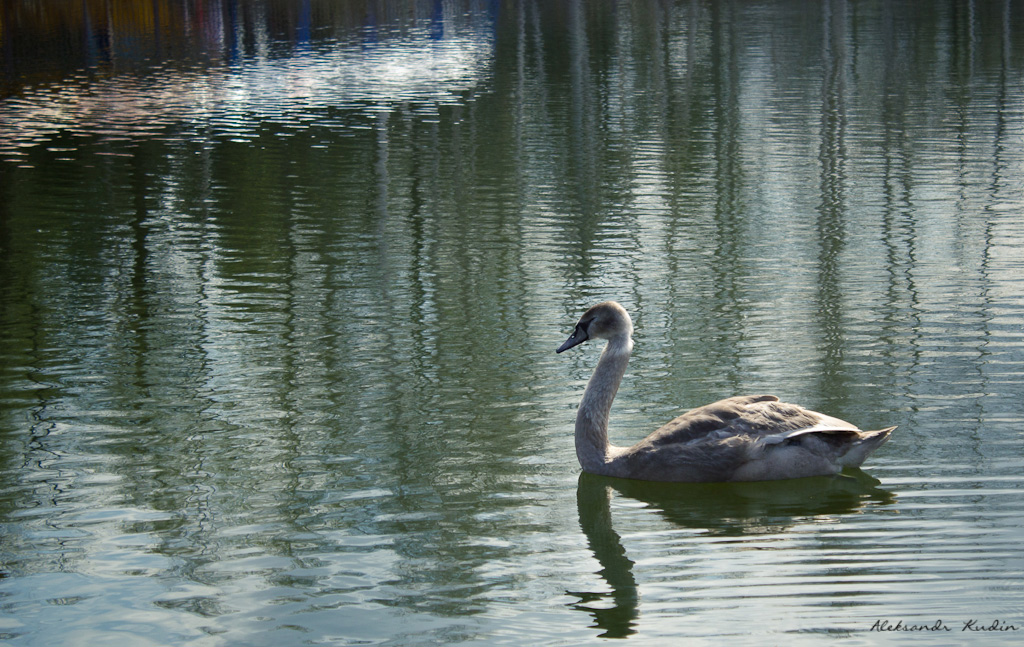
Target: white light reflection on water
235	100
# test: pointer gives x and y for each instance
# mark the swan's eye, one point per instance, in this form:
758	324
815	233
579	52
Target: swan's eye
580	334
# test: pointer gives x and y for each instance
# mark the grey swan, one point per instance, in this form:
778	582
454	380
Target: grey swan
743	438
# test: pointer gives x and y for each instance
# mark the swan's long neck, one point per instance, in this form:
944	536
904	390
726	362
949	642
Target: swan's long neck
592	447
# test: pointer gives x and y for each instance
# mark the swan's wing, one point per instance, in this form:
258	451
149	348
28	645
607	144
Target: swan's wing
846	447
820	428
749	415
749	438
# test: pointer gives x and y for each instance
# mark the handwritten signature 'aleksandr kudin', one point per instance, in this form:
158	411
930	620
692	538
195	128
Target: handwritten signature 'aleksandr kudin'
940	625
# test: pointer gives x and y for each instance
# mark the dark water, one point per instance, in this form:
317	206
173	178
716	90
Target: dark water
280	286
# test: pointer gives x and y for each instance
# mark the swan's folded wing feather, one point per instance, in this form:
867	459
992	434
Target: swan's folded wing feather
749	415
820	428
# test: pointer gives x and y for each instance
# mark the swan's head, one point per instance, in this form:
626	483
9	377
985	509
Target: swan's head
606	320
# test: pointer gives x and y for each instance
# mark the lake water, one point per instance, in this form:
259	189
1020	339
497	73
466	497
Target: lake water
281	284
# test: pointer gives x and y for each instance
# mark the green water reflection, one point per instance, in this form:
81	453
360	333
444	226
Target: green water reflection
280	286
716	510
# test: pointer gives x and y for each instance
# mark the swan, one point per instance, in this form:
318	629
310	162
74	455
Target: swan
743	438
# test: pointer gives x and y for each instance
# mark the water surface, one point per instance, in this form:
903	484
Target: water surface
280	286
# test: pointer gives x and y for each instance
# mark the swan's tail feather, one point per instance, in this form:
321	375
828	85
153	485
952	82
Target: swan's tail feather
860	449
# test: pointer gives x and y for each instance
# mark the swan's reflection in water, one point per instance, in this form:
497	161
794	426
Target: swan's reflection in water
723	509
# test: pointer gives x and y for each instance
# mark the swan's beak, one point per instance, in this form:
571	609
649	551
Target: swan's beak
577	337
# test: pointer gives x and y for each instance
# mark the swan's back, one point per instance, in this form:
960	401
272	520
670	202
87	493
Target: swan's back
744	415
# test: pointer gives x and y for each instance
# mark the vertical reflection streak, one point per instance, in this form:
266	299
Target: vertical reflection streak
831	224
